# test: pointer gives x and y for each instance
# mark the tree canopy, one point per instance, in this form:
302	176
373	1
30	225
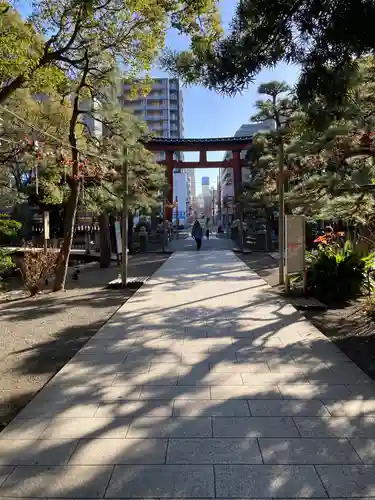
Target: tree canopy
323	37
325	169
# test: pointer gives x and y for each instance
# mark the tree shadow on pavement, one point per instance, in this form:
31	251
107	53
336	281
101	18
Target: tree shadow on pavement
197	397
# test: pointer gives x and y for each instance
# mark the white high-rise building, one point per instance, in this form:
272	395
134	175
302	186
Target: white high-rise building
226	174
162	109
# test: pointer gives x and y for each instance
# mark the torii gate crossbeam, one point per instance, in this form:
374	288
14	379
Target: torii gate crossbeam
172	145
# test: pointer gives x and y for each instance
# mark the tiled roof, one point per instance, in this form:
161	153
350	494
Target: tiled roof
178	140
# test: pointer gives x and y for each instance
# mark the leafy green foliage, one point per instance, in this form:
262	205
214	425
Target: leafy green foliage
326	166
105	32
8	229
324	37
123	135
338	271
277	106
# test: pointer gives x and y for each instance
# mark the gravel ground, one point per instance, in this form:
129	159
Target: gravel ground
39	335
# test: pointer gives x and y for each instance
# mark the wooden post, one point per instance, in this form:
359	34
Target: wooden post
281	213
169	174
125	201
237	180
46	229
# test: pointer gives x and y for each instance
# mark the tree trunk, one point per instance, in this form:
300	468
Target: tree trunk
105	241
70	218
130	231
71	206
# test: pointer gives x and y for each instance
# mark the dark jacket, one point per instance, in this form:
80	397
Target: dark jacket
197	231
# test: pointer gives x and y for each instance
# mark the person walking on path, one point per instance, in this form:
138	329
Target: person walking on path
207	228
197	234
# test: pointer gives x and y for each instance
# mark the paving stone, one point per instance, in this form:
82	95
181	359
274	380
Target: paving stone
350	408
348	481
194	358
169	393
154	357
25	428
162	481
307	451
160	375
245	392
170	427
365	449
57	482
121	392
351	374
336	426
248	370
214	408
272	378
314	391
237	367
48	409
251	427
213	451
36	452
146	408
4	473
267	481
287	408
362	391
95	355
66	428
119	452
67	410
211	379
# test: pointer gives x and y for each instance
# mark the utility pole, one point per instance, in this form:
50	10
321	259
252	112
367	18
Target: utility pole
125	210
281	211
164	219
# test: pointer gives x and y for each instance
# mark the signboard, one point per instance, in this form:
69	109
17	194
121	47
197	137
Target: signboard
46	225
294	244
118	237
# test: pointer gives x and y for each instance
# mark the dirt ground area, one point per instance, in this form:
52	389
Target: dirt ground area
348	327
39	335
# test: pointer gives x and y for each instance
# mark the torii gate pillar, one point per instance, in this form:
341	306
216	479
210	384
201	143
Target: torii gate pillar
237	177
169	175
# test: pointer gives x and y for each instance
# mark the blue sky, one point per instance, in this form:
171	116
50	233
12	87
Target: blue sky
208	114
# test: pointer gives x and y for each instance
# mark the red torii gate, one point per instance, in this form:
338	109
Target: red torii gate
173	145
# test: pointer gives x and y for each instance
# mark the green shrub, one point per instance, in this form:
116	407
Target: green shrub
338	271
6	261
8	229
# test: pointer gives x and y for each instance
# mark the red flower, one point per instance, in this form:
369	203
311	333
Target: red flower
321	239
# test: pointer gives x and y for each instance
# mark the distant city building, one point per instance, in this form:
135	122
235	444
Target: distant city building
162	108
226	174
181	196
205	186
163	111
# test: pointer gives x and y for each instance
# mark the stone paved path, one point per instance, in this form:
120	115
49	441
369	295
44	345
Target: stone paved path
214	243
203	385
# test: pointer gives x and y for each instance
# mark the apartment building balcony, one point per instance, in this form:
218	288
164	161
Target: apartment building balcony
159	85
157	95
153	117
134	106
157	105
